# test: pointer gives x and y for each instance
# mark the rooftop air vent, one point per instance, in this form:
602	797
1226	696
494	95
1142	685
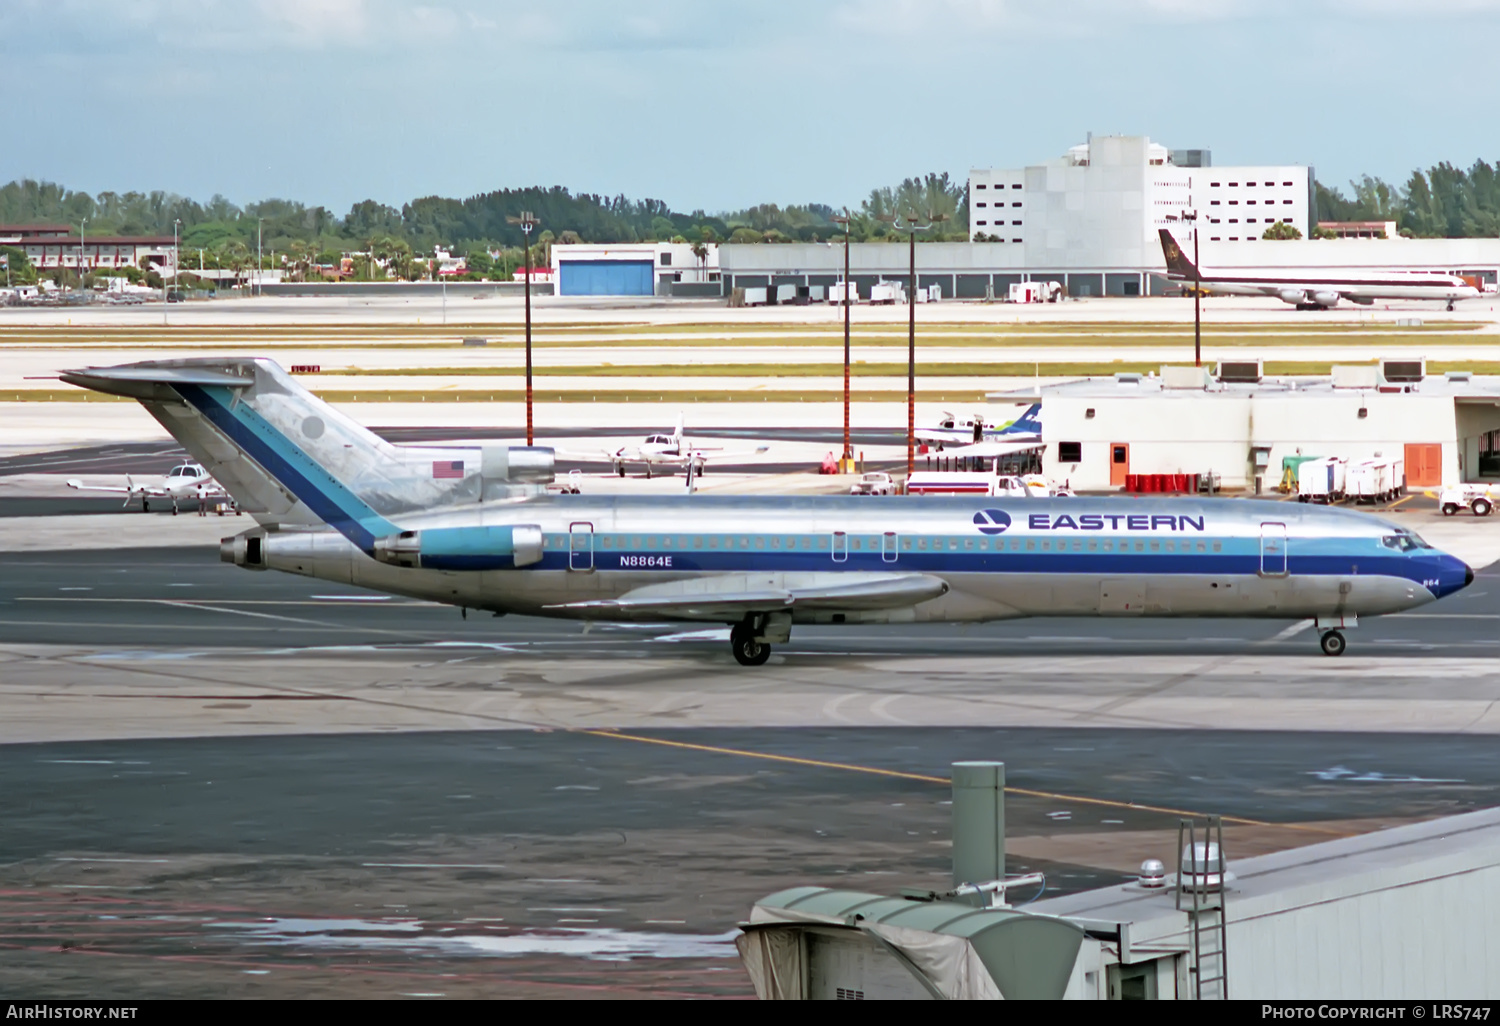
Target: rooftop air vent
1153	874
1127	378
1459	375
1403	372
1246	372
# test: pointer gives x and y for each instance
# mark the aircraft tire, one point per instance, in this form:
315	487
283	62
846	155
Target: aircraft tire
620	468
1450	508
1450	306
1332	643
145	506
1482	507
747	651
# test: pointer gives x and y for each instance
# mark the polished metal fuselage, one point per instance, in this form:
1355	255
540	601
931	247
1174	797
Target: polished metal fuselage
1000	558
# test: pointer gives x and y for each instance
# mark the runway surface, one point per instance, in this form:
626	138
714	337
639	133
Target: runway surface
224	783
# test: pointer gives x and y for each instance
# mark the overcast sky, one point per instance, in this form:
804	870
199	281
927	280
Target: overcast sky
716	103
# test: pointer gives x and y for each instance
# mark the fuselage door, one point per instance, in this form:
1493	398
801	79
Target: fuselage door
888	547
580	546
1273	550
840	546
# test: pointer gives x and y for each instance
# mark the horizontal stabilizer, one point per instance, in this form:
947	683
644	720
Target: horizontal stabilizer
145	381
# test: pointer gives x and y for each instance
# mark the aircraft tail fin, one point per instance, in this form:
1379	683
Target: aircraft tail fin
677	434
1178	265
1029	422
288	458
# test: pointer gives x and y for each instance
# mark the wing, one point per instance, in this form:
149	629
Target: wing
103	488
986	450
598	456
705	456
730	596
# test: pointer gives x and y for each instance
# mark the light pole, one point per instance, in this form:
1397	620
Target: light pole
166	301
260	223
527	221
911	230
83	225
848	446
1197	293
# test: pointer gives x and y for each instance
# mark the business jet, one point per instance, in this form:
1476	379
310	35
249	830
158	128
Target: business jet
953	430
1317	289
186	480
336	502
672	450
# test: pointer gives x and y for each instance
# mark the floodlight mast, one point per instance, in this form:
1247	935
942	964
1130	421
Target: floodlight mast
527	221
1192	216
911	228
848	446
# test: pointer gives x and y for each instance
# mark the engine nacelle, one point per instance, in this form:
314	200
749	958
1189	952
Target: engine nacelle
1325	298
325	554
463	548
1361	300
1294	296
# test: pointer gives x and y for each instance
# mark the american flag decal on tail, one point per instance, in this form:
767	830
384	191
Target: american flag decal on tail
447	468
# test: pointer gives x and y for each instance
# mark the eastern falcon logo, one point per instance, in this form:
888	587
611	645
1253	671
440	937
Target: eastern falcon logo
992	521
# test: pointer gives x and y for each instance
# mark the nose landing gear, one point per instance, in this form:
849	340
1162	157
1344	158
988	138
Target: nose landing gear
1332	643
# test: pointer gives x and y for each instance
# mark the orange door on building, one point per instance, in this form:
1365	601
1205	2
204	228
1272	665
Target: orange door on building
1119	463
1424	465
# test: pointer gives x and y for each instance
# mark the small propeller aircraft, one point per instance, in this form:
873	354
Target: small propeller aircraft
665	451
184	481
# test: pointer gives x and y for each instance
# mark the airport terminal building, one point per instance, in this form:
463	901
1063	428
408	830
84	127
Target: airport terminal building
1088	220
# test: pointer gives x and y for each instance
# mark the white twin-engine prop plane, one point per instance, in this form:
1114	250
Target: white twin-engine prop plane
665	451
184	481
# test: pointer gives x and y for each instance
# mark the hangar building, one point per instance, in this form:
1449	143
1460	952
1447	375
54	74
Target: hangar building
1237	425
636	269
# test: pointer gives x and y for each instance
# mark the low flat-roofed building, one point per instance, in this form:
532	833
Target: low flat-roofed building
1238	426
50	246
1360	229
1406	913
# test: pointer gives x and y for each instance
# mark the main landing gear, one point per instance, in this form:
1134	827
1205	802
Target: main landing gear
747	651
1332	643
751	639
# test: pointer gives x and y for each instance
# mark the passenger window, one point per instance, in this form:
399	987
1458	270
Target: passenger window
1140	546
604	541
1094	547
775	543
1046	545
760	543
969	543
823	543
953	544
698	541
1155	545
1200	546
921	544
666	543
1218	546
905	544
1030	544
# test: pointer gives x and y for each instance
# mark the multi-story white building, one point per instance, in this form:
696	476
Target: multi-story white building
1099	207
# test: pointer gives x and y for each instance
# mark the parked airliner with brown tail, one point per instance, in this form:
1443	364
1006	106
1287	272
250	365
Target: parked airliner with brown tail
474	527
1309	289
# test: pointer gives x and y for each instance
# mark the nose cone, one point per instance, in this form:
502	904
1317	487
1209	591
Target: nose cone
1453	574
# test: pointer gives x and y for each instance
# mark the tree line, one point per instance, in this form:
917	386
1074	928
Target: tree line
1442	202
397	242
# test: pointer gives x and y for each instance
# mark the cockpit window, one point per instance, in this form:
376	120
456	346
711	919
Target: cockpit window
1402	542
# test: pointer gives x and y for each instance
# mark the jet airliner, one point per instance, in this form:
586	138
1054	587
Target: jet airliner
475	528
1308	289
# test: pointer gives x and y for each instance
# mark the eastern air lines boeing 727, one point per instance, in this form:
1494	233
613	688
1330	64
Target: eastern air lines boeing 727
474	527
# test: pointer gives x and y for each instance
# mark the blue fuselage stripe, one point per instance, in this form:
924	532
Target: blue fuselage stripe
323	493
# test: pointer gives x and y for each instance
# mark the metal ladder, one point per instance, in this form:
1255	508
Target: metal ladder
1205	908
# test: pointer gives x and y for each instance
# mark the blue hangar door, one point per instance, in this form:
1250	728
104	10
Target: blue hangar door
606	278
